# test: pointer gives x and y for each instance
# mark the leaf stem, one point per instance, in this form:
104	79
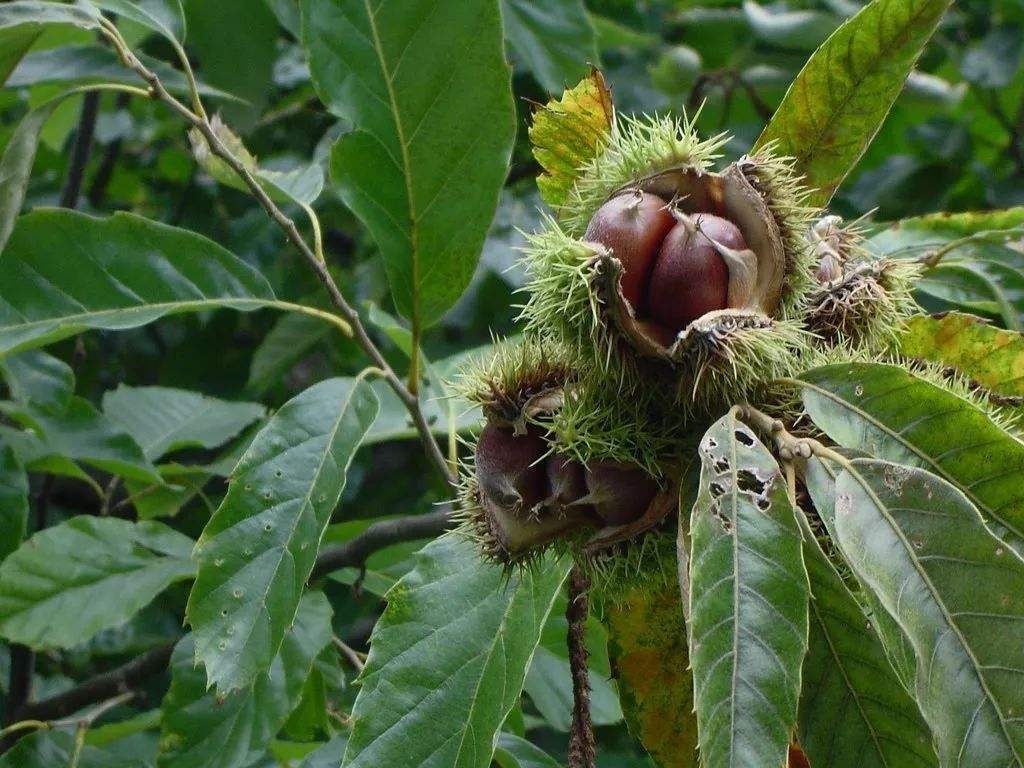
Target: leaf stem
198	119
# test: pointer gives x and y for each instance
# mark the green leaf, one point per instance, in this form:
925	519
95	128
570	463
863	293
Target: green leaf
258	549
748	602
428	90
301	185
35	13
989	356
82	64
201	730
70	581
291	339
14	44
38	378
837	103
54	748
165	17
236	44
854	712
448	658
84	434
921	547
16	167
289	14
164	420
796	29
820	477
649	654
179	484
555	40
68	272
977	272
327	756
515	752
569	132
13	501
891	414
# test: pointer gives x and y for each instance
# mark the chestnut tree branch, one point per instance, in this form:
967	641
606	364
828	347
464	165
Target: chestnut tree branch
354	552
99	688
202	123
582	746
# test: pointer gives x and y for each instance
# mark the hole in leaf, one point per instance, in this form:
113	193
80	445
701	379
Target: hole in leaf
744	437
750	482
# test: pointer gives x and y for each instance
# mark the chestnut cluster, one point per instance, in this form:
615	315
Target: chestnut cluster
673	271
531	494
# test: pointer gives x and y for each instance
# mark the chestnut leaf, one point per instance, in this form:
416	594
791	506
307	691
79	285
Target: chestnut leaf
448	658
854	712
202	730
921	547
748	601
891	414
65	272
428	91
840	98
100	571
13	501
647	646
258	549
991	356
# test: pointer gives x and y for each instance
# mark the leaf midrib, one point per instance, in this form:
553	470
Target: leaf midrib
940	604
938	469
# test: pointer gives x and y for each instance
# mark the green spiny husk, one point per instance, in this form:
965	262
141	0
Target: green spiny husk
637	147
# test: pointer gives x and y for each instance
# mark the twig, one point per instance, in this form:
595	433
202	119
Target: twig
582	748
198	120
82	150
356	659
107	685
105	172
353	553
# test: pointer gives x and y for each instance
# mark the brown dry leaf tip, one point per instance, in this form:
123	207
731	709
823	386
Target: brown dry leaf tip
661	267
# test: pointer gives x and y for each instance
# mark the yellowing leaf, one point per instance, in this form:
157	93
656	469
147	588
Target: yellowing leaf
569	132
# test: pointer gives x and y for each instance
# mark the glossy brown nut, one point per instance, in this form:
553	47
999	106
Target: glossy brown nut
632	225
620	493
509	468
566	483
690	278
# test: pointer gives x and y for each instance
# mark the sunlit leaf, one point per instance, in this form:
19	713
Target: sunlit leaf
68	582
258	549
838	101
426	85
448	658
919	544
748	601
569	132
989	356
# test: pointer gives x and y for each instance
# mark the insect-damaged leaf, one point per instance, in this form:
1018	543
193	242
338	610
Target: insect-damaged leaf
748	601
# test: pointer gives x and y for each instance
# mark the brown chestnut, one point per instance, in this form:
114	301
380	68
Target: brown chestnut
566	483
690	277
620	493
510	469
632	225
